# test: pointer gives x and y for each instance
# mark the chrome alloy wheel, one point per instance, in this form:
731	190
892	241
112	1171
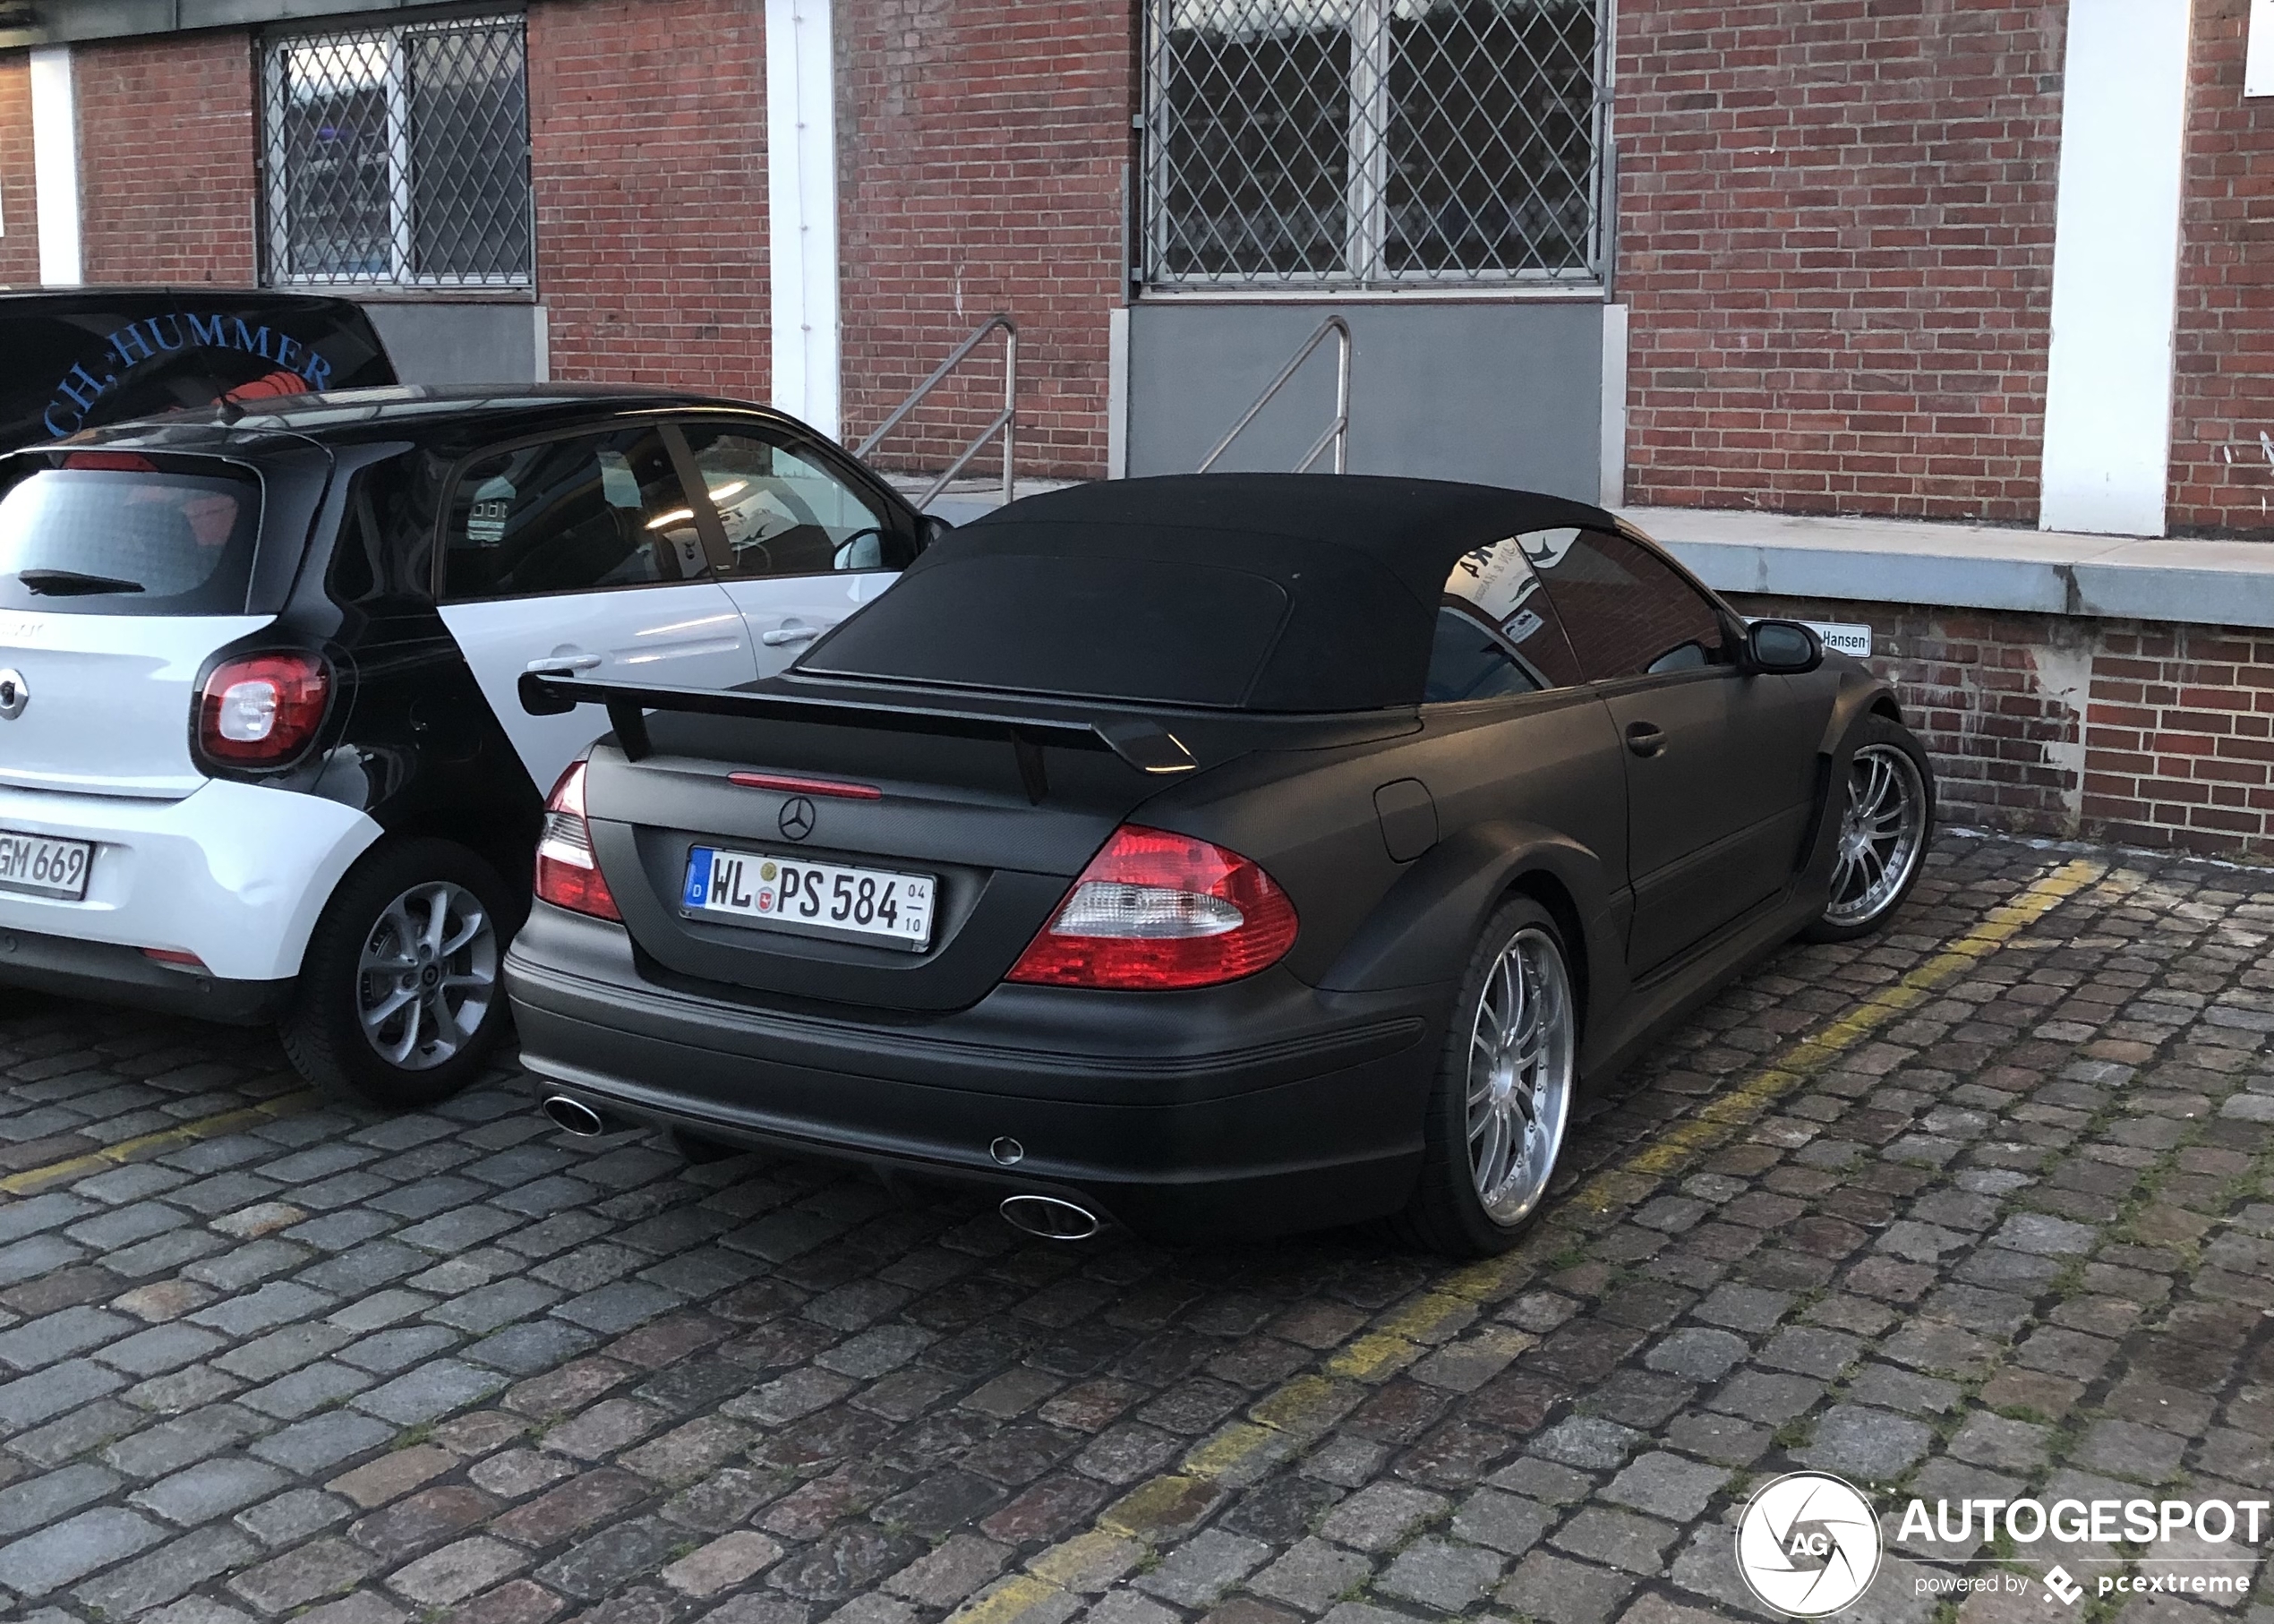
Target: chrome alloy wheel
427	975
1521	1049
1882	832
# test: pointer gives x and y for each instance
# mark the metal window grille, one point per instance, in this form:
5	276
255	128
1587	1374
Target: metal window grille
1374	143
399	156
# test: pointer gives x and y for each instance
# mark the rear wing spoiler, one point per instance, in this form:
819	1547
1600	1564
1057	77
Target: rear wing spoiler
1143	745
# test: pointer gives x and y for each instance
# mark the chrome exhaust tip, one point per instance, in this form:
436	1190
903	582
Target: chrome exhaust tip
1049	1217
574	1116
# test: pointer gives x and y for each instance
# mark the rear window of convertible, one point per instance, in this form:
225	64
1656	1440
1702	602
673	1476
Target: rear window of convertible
128	538
1115	628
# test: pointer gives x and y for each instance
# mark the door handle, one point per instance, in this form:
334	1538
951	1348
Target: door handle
1646	738
792	633
563	662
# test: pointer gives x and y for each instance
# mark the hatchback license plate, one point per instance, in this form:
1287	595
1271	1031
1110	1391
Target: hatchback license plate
43	865
810	898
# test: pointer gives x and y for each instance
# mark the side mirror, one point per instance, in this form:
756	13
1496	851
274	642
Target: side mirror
1783	647
929	528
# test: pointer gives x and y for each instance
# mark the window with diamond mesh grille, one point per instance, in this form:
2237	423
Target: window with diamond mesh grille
1372	142
400	155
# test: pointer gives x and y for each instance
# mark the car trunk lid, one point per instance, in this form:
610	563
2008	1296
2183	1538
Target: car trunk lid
999	800
102	703
119	578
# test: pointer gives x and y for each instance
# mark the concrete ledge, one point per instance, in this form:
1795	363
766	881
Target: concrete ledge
1971	566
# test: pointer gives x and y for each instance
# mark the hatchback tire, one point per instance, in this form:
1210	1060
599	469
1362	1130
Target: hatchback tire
1885	807
400	1000
1494	1125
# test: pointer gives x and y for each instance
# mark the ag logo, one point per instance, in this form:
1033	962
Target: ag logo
1807	1544
796	817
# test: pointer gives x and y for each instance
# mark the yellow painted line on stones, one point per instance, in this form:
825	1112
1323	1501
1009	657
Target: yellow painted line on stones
1119	1536
33	1180
1718	1120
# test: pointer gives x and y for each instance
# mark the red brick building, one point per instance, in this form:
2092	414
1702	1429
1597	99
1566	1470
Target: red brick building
1880	270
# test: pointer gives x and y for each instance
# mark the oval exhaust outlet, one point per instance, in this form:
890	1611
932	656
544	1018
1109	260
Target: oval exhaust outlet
1049	1217
574	1116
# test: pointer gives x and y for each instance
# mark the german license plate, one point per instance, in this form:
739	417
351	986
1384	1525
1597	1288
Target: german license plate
43	865
872	905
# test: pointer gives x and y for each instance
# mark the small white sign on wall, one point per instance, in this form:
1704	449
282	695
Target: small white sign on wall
2258	58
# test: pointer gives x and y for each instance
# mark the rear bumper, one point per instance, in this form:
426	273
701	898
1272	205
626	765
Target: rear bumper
1258	1108
233	873
106	974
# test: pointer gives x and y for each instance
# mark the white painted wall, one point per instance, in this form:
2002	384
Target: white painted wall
2116	268
801	181
55	165
1614	407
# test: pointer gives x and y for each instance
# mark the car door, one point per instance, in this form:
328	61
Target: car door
805	544
1719	762
579	552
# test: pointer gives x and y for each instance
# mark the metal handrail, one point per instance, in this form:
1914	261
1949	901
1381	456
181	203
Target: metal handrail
1338	432
1005	421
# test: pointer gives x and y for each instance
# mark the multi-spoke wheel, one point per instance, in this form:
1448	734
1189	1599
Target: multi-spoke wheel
398	996
1519	1075
1495	1119
1886	816
428	974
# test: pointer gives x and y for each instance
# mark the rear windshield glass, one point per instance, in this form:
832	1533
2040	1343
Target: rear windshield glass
1094	627
118	542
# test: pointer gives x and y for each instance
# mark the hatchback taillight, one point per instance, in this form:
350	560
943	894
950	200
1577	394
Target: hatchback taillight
568	873
261	710
1155	911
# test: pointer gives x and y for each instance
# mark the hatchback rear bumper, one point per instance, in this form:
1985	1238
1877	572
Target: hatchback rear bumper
233	873
1257	1108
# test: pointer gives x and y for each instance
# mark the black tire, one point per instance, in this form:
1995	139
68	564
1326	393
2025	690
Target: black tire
1447	1214
1877	734
323	1031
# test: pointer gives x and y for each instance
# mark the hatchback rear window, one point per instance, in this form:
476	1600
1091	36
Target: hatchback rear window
127	541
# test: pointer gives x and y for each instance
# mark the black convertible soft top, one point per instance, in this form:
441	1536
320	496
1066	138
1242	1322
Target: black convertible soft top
1261	592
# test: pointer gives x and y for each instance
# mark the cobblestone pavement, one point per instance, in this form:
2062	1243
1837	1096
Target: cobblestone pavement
1982	1209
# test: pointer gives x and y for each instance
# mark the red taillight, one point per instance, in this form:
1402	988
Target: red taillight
568	873
261	710
114	462
788	785
1155	911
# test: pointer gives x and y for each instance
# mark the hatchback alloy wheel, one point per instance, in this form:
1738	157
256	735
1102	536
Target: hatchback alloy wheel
428	975
1883	835
1520	1076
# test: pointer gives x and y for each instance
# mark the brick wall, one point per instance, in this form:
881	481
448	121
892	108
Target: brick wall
980	158
648	154
2156	735
19	216
2222	465
168	177
1836	238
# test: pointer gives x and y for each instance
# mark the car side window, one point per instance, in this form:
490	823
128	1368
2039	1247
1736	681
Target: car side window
1498	584
784	512
1467	662
583	513
1625	611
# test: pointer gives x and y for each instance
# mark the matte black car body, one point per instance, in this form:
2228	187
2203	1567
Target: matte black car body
1287	1100
408	738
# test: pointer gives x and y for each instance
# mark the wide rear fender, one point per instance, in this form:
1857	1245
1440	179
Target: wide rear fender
1425	927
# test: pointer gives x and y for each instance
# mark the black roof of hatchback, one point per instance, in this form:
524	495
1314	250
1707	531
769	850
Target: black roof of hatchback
413	411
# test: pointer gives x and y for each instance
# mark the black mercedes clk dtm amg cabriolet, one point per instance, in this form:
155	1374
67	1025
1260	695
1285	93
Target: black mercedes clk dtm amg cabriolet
1220	856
